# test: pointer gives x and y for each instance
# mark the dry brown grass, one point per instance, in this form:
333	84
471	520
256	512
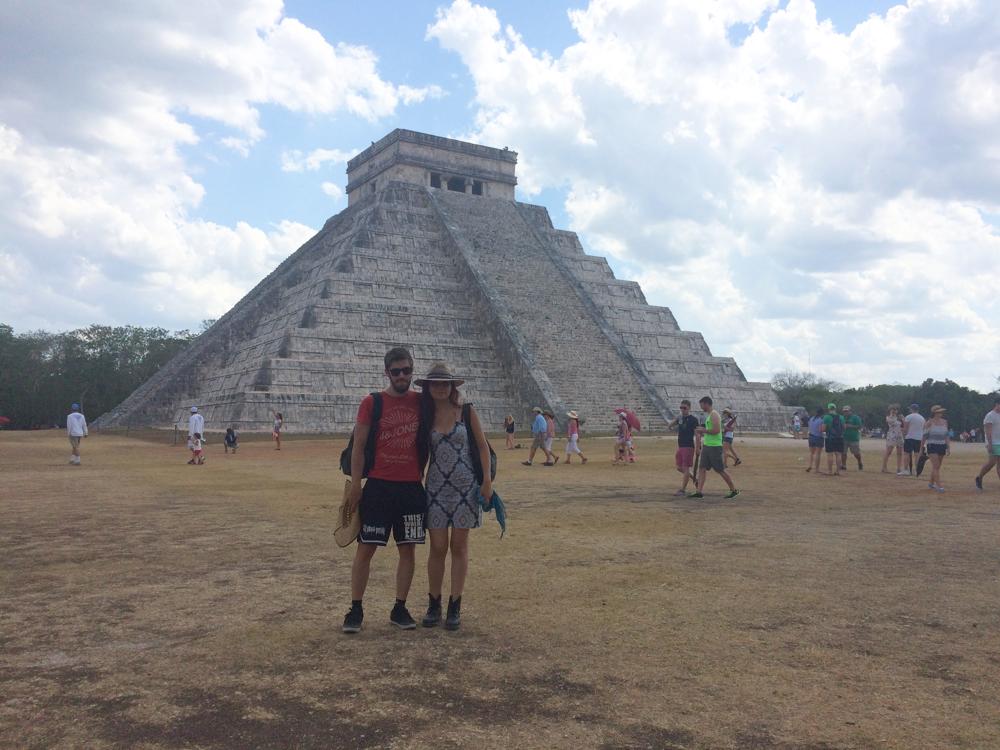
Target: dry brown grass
151	604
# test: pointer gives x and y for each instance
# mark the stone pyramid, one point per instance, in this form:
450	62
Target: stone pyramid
433	252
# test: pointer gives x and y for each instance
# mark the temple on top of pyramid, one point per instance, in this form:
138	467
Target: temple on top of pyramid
435	253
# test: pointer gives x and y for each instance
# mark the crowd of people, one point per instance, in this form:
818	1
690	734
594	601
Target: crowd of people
426	473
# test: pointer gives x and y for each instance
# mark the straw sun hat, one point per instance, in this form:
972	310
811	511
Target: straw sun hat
348	524
572	415
937	409
439	373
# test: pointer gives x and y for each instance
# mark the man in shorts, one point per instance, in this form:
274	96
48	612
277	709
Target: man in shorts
991	431
393	499
833	434
686	423
913	435
852	438
711	450
76	429
539	432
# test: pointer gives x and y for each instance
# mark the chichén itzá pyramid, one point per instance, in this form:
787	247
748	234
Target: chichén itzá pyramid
434	253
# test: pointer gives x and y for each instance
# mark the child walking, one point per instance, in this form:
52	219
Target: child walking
197	452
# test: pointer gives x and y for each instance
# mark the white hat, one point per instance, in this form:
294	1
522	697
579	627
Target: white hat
194	409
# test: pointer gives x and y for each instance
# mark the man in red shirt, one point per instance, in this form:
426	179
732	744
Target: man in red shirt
393	498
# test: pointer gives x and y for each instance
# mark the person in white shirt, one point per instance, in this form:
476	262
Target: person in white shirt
991	433
913	435
196	426
76	428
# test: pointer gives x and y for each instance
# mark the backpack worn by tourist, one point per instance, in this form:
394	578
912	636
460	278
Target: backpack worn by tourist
345	457
836	428
477	466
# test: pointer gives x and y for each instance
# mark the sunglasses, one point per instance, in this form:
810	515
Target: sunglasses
397	371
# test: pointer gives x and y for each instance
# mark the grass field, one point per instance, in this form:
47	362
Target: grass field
151	604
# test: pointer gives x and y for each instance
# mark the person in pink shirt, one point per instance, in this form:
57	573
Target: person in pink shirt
573	438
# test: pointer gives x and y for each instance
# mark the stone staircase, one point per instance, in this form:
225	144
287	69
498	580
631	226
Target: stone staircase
562	338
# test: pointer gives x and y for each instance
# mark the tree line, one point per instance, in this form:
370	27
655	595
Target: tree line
965	406
42	373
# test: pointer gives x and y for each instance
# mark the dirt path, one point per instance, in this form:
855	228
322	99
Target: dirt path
151	604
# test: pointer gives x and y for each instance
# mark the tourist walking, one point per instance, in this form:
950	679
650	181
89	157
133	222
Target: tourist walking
539	430
623	440
937	444
852	438
573	437
728	436
76	430
711	450
393	499
453	491
197	450
508	428
196	426
231	441
893	439
550	435
913	435
991	431
797	425
278	423
686	424
816	441
833	435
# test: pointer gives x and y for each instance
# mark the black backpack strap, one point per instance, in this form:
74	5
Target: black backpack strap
477	466
373	432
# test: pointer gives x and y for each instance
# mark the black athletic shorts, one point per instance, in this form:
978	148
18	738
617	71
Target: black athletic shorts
835	445
397	506
937	448
911	446
711	458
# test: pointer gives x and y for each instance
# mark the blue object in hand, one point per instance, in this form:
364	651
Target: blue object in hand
496	504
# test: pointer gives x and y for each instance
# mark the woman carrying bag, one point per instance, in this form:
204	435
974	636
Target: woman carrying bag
453	493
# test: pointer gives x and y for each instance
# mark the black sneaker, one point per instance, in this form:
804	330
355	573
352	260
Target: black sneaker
861	466
979	483
731	494
695	494
400	617
433	616
454	618
353	620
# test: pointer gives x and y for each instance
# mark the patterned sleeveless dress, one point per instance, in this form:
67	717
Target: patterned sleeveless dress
452	490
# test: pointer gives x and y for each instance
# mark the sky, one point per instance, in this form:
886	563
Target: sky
813	185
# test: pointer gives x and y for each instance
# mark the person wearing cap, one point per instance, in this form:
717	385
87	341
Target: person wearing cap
539	429
453	490
913	435
573	437
833	435
936	443
196	426
392	500
991	432
852	438
686	425
711	450
728	435
76	429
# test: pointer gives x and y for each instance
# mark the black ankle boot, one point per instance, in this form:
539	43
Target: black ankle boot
433	616
454	618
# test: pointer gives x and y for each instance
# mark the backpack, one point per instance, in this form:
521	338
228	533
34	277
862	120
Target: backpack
836	428
345	457
477	468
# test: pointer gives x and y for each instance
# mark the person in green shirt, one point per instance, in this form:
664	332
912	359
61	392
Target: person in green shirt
711	450
833	436
852	438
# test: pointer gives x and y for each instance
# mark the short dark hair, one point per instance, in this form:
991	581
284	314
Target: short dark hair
996	400
397	353
705	400
685	402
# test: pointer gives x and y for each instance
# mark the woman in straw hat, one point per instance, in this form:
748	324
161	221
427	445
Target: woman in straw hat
573	437
452	490
936	443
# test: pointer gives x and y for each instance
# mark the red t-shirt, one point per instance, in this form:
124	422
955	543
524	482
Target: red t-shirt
396	457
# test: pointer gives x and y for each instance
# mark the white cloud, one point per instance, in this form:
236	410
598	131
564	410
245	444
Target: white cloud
296	161
334	191
830	189
99	105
